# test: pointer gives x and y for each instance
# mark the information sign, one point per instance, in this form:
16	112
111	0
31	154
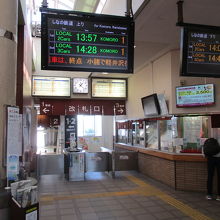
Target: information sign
82	106
87	43
200	47
195	95
109	88
50	86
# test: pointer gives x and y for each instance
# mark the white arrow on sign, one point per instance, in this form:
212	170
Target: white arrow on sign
120	110
45	110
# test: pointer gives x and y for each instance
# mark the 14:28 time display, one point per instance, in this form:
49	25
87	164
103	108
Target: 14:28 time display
86	49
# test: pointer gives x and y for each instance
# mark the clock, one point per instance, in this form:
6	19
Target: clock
80	85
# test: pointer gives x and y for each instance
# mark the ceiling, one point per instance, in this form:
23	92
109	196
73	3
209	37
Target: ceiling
156	32
155	27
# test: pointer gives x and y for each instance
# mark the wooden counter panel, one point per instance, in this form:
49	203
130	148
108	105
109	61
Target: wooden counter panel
164	155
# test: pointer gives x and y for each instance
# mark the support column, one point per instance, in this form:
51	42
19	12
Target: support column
8	54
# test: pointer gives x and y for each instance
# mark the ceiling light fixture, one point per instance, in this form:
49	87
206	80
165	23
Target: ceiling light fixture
100	6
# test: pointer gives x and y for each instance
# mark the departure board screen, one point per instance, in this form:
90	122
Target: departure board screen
100	43
50	86
200	51
109	88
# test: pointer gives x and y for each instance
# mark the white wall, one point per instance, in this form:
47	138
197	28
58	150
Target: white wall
153	78
163	76
8	57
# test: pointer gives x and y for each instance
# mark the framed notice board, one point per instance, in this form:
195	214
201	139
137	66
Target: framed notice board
87	42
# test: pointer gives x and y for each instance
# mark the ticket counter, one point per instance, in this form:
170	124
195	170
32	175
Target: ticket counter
185	172
172	150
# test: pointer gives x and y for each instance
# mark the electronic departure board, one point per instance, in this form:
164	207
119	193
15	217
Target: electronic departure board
50	86
109	88
99	43
200	47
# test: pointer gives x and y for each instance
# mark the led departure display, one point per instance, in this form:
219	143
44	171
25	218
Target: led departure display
87	43
109	88
200	51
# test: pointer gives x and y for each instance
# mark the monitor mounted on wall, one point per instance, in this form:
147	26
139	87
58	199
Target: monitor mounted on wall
195	95
151	105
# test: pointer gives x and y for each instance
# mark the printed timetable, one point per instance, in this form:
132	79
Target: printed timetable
87	44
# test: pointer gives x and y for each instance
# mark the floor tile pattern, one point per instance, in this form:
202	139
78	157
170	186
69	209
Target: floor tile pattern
129	196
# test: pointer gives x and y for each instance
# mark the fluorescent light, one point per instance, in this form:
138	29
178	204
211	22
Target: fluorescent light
100	6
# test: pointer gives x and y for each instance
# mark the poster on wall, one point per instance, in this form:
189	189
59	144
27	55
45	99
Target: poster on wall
192	127
13	139
12	167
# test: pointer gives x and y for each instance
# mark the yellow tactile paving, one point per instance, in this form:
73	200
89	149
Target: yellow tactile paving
194	214
143	188
47	198
146	188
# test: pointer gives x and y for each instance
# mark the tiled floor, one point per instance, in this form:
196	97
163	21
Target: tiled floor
129	196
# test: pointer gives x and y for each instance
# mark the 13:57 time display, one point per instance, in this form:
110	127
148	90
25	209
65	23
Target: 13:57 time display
86	37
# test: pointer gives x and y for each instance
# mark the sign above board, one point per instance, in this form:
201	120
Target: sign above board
83	107
200	51
91	42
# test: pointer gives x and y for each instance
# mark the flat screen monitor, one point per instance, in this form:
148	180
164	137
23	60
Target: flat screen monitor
200	51
87	42
151	105
50	86
195	95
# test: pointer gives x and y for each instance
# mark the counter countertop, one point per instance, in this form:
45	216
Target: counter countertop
163	154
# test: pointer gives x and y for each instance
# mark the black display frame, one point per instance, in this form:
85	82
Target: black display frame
128	21
185	29
109	98
196	106
156	102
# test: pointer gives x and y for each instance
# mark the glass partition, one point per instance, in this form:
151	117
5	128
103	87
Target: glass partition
151	134
176	134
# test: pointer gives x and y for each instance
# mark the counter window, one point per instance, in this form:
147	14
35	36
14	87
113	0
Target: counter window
151	134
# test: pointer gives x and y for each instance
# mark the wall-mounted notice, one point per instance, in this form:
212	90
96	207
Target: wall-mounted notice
195	95
109	88
12	167
13	141
50	86
14	126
